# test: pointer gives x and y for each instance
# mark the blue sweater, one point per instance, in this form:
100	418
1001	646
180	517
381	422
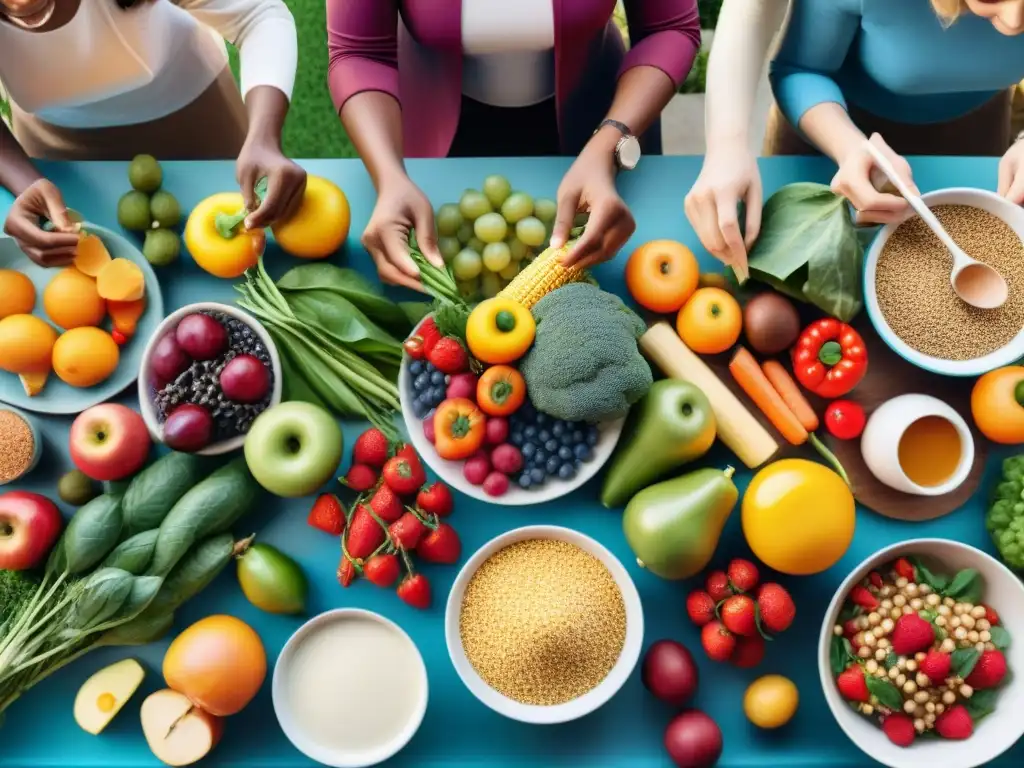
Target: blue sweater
892	58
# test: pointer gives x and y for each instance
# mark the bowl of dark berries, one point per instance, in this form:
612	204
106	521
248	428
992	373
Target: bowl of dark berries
207	372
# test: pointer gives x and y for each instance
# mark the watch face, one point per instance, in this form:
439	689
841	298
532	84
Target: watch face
629	152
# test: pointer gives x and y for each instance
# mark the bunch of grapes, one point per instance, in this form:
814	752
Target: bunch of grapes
490	233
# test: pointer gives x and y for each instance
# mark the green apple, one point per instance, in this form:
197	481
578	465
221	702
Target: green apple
293	448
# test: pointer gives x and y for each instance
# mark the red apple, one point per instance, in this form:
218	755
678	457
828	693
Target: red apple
29	525
109	442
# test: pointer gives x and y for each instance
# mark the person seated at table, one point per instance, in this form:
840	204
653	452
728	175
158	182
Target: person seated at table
920	77
471	78
109	79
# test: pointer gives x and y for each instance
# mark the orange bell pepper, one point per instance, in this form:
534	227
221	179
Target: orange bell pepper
458	429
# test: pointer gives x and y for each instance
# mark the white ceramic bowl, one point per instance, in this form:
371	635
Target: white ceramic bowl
149	412
1013	215
37	441
993	735
295	733
578	707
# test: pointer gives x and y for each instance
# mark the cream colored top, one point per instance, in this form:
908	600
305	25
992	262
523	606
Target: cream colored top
109	66
509	51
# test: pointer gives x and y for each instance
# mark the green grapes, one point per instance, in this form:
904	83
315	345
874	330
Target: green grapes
531	231
510	271
496	256
449	246
545	209
465	233
491	228
449	219
467	264
490	284
518	206
497	189
473	204
517	248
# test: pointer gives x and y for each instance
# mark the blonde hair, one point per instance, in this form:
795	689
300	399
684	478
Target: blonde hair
948	10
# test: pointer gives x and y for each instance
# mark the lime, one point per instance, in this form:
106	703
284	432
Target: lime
77	488
144	173
165	209
133	212
161	247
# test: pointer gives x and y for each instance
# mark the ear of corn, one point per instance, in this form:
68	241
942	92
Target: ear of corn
541	276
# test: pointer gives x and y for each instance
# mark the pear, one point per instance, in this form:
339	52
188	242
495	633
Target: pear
673	527
101	696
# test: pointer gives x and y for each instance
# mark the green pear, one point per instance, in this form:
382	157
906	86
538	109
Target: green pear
673	527
672	426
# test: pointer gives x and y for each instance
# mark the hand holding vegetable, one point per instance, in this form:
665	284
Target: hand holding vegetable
260	158
855	182
47	249
829	358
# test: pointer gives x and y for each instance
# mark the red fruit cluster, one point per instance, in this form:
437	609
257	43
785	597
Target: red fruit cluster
396	512
736	615
443	352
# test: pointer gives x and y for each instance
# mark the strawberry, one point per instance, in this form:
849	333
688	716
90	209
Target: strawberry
911	634
738	615
776	607
382	570
440	545
860	595
700	607
876	579
900	729
435	499
749	652
718	642
360	478
428	334
991	616
404	475
408	452
371	448
743	575
386	504
449	356
364	534
988	672
413	347
936	666
850	628
718	586
852	685
327	514
415	590
955	723
346	571
905	569
407	531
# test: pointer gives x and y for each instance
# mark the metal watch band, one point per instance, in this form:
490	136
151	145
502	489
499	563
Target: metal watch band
620	127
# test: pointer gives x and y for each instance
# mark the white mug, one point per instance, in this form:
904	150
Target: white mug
880	441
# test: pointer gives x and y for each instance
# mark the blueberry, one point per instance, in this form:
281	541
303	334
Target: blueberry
437	378
578	436
421	382
566	472
551	446
592	438
558	428
528	449
436	395
516	438
540	457
542	418
552	465
544	435
566	438
565	453
524	480
429	368
419	409
530	432
582	452
537	475
416	367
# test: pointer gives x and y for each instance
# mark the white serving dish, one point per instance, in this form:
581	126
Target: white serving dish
1013	215
299	738
993	735
149	411
880	442
578	707
451	471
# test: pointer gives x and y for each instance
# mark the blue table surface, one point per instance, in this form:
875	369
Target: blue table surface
459	731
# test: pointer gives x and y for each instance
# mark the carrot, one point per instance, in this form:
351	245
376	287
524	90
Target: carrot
751	378
790	393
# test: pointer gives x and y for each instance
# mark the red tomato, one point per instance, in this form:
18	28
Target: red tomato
845	419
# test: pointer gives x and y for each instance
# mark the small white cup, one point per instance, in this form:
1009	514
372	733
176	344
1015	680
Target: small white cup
879	444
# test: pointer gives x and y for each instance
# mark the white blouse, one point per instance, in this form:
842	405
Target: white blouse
109	66
508	51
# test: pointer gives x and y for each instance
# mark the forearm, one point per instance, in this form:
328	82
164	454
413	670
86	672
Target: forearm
640	96
17	172
373	120
830	128
267	108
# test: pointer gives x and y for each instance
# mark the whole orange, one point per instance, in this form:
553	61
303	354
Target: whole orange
661	275
26	344
219	663
17	294
84	357
72	301
320	225
997	405
710	322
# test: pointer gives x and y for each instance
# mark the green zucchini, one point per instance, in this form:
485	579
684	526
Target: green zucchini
160	486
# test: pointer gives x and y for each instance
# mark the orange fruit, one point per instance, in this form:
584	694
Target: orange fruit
710	321
320	225
83	357
17	294
661	275
71	300
91	256
26	344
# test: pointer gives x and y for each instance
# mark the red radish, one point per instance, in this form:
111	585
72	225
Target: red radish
507	459
693	740
462	385
496	484
476	468
496	430
202	337
428	427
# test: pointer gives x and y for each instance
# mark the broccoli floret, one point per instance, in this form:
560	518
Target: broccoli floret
584	364
1005	518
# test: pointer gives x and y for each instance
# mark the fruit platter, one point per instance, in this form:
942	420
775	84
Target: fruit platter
290	541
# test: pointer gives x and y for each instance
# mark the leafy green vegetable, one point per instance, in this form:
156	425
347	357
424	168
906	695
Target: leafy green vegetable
809	250
967	586
964	660
1005	518
103	594
1000	637
891	660
157	488
134	554
341	318
888	695
936	581
982	703
89	536
840	655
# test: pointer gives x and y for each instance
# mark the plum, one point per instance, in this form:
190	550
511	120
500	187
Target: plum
189	428
245	380
168	359
496	484
428	427
462	385
496	430
477	468
669	672
693	740
507	459
202	337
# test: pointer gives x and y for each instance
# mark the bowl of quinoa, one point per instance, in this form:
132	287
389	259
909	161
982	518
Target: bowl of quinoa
916	655
20	444
543	624
909	298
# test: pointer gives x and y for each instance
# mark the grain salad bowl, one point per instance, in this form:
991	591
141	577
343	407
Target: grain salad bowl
593	698
1013	216
994	734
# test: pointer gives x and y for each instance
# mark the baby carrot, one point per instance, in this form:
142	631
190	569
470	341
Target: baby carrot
790	393
751	378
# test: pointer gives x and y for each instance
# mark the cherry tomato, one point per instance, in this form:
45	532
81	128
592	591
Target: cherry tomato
414	348
845	419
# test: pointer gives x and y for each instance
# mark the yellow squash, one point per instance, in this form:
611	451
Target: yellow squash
320	225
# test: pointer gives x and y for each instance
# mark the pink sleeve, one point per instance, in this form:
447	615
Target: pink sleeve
663	34
362	43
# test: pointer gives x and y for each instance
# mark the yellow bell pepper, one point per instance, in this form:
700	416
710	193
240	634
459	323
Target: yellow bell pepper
499	331
320	225
222	256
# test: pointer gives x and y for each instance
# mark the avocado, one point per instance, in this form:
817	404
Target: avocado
133	212
145	174
161	247
165	209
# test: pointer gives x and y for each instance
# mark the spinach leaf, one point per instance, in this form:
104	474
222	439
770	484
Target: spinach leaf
888	695
838	655
1000	637
102	595
142	630
91	534
342	320
964	660
194	572
967	586
891	660
982	703
293	381
133	554
809	250
936	581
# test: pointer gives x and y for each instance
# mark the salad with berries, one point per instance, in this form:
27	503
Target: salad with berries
919	652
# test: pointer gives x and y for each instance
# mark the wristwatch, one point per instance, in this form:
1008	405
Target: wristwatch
627	149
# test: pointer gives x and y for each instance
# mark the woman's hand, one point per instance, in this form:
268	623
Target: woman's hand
42	199
286	182
729	176
1011	173
589	185
401	207
856	181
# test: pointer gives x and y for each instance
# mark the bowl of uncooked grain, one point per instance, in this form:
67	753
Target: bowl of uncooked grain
20	444
910	300
543	624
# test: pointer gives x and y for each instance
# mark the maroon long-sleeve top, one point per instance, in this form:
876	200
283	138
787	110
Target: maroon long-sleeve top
412	50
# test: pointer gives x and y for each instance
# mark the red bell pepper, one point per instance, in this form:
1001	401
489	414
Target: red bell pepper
829	358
